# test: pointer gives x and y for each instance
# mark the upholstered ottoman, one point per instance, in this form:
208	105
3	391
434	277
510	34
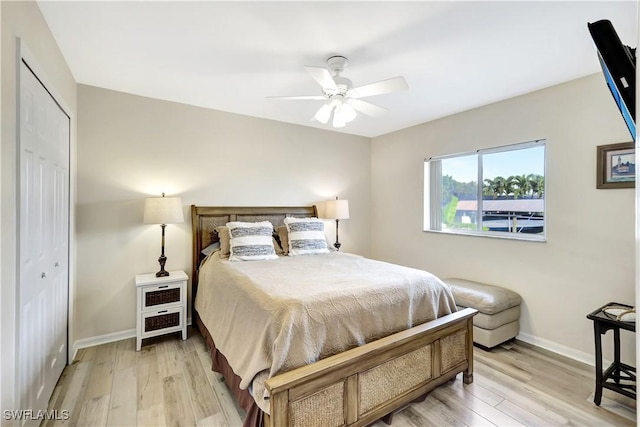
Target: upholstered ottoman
498	318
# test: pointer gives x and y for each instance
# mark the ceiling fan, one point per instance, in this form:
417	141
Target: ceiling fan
342	100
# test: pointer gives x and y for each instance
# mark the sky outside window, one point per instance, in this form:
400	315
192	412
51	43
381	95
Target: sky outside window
525	161
516	162
462	169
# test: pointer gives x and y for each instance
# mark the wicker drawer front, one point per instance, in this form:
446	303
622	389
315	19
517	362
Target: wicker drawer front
164	296
154	297
162	320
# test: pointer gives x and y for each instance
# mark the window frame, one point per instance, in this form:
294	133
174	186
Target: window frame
432	193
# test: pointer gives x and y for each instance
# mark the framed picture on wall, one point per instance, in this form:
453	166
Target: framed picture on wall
616	166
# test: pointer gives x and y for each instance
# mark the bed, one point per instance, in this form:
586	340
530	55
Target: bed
353	387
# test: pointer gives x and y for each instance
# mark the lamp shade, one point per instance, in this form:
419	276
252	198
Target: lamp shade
163	210
336	209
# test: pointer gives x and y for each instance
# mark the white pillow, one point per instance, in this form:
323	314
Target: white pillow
306	236
251	241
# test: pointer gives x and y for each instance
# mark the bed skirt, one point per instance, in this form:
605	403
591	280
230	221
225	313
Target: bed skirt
254	415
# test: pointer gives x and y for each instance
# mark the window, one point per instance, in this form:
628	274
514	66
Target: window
508	202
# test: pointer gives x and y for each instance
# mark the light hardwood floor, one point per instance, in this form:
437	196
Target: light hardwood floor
170	383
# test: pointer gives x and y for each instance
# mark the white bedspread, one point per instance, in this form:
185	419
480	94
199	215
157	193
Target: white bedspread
268	317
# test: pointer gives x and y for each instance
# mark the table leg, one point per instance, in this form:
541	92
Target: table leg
616	353
598	339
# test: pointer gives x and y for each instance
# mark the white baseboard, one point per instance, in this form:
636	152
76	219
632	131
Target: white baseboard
563	350
102	339
106	338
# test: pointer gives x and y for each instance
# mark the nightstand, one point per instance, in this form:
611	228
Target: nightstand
161	305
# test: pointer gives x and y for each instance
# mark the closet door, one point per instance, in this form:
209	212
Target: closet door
43	241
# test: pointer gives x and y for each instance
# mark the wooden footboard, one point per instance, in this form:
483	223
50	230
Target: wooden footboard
362	385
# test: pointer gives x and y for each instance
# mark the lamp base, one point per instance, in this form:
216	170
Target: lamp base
162	260
337	244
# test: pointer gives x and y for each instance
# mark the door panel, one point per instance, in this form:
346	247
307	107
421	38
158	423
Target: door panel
44	242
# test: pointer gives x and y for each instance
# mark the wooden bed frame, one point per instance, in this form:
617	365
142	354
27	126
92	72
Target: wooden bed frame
361	385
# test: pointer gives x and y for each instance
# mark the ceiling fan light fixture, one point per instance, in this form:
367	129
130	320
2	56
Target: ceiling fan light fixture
347	112
324	113
338	121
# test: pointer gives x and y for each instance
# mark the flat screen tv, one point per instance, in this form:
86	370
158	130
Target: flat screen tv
618	63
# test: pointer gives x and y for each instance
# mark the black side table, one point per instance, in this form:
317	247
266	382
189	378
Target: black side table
618	377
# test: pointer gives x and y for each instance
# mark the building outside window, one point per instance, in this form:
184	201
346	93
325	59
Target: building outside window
497	192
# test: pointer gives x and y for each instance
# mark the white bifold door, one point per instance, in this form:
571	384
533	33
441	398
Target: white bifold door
43	241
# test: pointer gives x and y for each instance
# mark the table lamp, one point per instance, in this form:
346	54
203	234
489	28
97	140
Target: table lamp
163	211
336	209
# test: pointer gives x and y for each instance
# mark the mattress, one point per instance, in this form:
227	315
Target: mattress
268	317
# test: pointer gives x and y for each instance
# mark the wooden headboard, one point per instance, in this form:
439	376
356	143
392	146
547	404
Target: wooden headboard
205	219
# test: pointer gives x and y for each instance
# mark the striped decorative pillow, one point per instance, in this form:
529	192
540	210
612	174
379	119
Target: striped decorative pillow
306	236
251	241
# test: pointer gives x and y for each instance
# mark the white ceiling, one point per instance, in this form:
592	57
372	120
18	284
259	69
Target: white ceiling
230	56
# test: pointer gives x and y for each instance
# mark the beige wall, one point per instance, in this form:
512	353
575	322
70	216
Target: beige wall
132	147
588	259
21	19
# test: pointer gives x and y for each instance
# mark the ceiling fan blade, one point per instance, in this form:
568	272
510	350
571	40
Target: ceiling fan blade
313	97
378	88
322	76
367	108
